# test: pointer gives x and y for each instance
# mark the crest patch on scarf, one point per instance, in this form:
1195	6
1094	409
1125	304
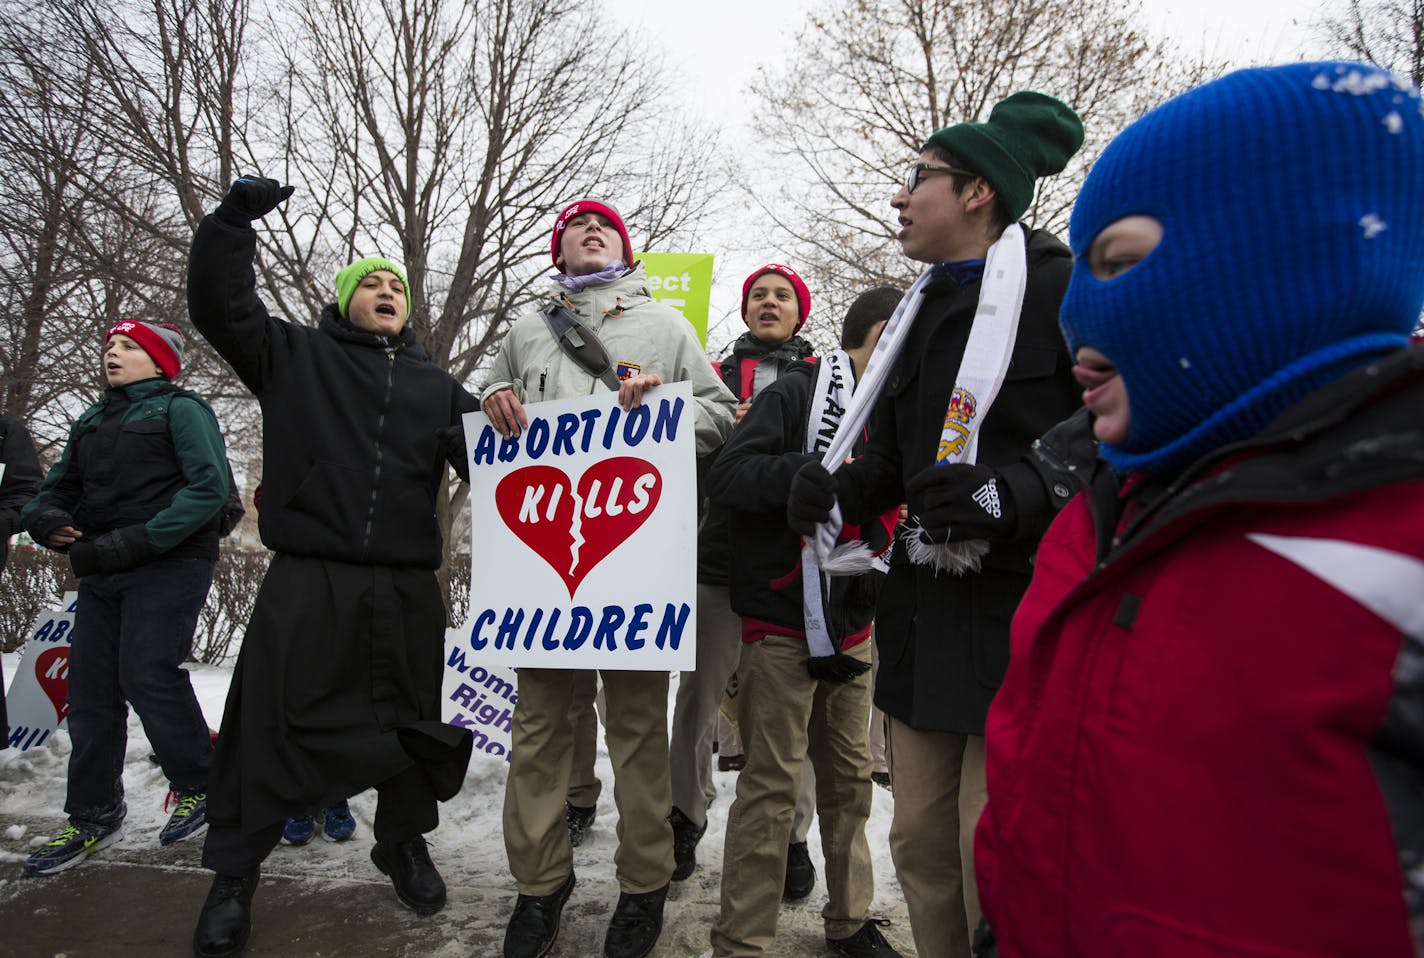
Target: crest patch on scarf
958	419
628	370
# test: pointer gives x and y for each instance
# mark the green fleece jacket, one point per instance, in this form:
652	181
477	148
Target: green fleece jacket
143	475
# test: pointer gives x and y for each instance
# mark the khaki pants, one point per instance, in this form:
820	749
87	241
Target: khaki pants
939	796
535	836
786	715
877	717
584	786
699	695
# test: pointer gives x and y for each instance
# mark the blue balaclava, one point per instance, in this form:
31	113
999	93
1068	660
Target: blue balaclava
1292	208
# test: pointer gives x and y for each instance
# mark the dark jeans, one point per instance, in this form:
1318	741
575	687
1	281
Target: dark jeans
132	632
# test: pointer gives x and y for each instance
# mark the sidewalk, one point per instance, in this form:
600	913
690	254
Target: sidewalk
137	898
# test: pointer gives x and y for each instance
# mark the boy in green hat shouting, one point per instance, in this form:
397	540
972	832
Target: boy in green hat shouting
337	685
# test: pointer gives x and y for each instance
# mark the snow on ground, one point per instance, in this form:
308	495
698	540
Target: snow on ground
468	847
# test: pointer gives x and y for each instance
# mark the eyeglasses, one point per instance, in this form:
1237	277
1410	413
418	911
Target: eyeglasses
916	174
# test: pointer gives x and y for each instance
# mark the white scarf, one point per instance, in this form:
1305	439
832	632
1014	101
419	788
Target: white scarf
981	373
830	398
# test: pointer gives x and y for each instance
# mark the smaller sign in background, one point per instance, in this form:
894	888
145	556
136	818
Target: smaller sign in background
479	696
36	702
684	282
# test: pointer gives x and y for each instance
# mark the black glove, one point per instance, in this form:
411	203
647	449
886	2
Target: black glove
813	493
984	945
961	501
450	442
111	552
839	668
251	198
45	520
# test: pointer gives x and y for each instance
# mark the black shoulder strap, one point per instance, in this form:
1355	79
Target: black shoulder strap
580	344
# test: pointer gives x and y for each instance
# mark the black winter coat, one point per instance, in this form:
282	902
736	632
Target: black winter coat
944	640
351	462
763	365
21	480
751	480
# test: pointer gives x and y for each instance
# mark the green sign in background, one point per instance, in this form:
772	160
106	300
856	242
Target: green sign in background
684	282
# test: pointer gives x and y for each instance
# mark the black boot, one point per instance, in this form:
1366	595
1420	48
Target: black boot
534	925
637	923
685	837
868	942
418	885
226	918
800	873
579	819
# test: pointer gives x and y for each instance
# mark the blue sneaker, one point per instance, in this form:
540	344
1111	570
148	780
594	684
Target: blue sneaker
71	846
299	830
189	817
337	825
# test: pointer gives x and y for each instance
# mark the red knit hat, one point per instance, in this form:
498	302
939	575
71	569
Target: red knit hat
162	341
803	295
590	206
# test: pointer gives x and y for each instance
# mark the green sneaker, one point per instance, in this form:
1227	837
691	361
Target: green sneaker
189	815
72	846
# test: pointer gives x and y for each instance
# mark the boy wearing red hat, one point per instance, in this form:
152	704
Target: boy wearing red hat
775	306
798	700
135	502
602	283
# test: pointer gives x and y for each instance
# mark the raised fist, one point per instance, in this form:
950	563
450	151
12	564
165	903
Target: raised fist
251	198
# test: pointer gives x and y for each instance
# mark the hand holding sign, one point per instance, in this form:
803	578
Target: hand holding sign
587	480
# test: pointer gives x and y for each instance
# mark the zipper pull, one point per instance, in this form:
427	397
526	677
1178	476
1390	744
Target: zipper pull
543	378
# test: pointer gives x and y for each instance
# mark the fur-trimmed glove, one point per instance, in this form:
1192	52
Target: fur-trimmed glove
111	552
251	198
961	501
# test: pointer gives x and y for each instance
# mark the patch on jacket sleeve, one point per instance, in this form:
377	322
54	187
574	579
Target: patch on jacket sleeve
628	370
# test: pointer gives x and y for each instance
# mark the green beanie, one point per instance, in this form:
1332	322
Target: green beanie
1028	135
349	278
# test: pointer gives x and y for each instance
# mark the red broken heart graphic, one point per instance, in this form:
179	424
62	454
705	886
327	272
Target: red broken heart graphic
52	671
616	496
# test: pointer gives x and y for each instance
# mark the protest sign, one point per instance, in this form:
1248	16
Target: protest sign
684	282
478	697
37	699
584	534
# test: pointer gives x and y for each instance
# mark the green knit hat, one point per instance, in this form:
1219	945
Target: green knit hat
349	278
1028	135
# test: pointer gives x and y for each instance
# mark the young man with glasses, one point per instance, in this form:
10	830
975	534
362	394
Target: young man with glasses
979	329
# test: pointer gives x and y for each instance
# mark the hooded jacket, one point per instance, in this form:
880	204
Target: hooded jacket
351	460
1209	739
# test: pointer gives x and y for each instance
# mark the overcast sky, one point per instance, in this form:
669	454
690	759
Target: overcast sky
717	46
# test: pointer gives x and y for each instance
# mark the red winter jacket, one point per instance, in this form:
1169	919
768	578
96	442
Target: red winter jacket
1209	741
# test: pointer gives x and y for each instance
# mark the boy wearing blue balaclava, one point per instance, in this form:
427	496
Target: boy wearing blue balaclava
1211	736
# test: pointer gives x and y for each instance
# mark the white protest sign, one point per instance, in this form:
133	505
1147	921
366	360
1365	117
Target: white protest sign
36	702
478	697
584	535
